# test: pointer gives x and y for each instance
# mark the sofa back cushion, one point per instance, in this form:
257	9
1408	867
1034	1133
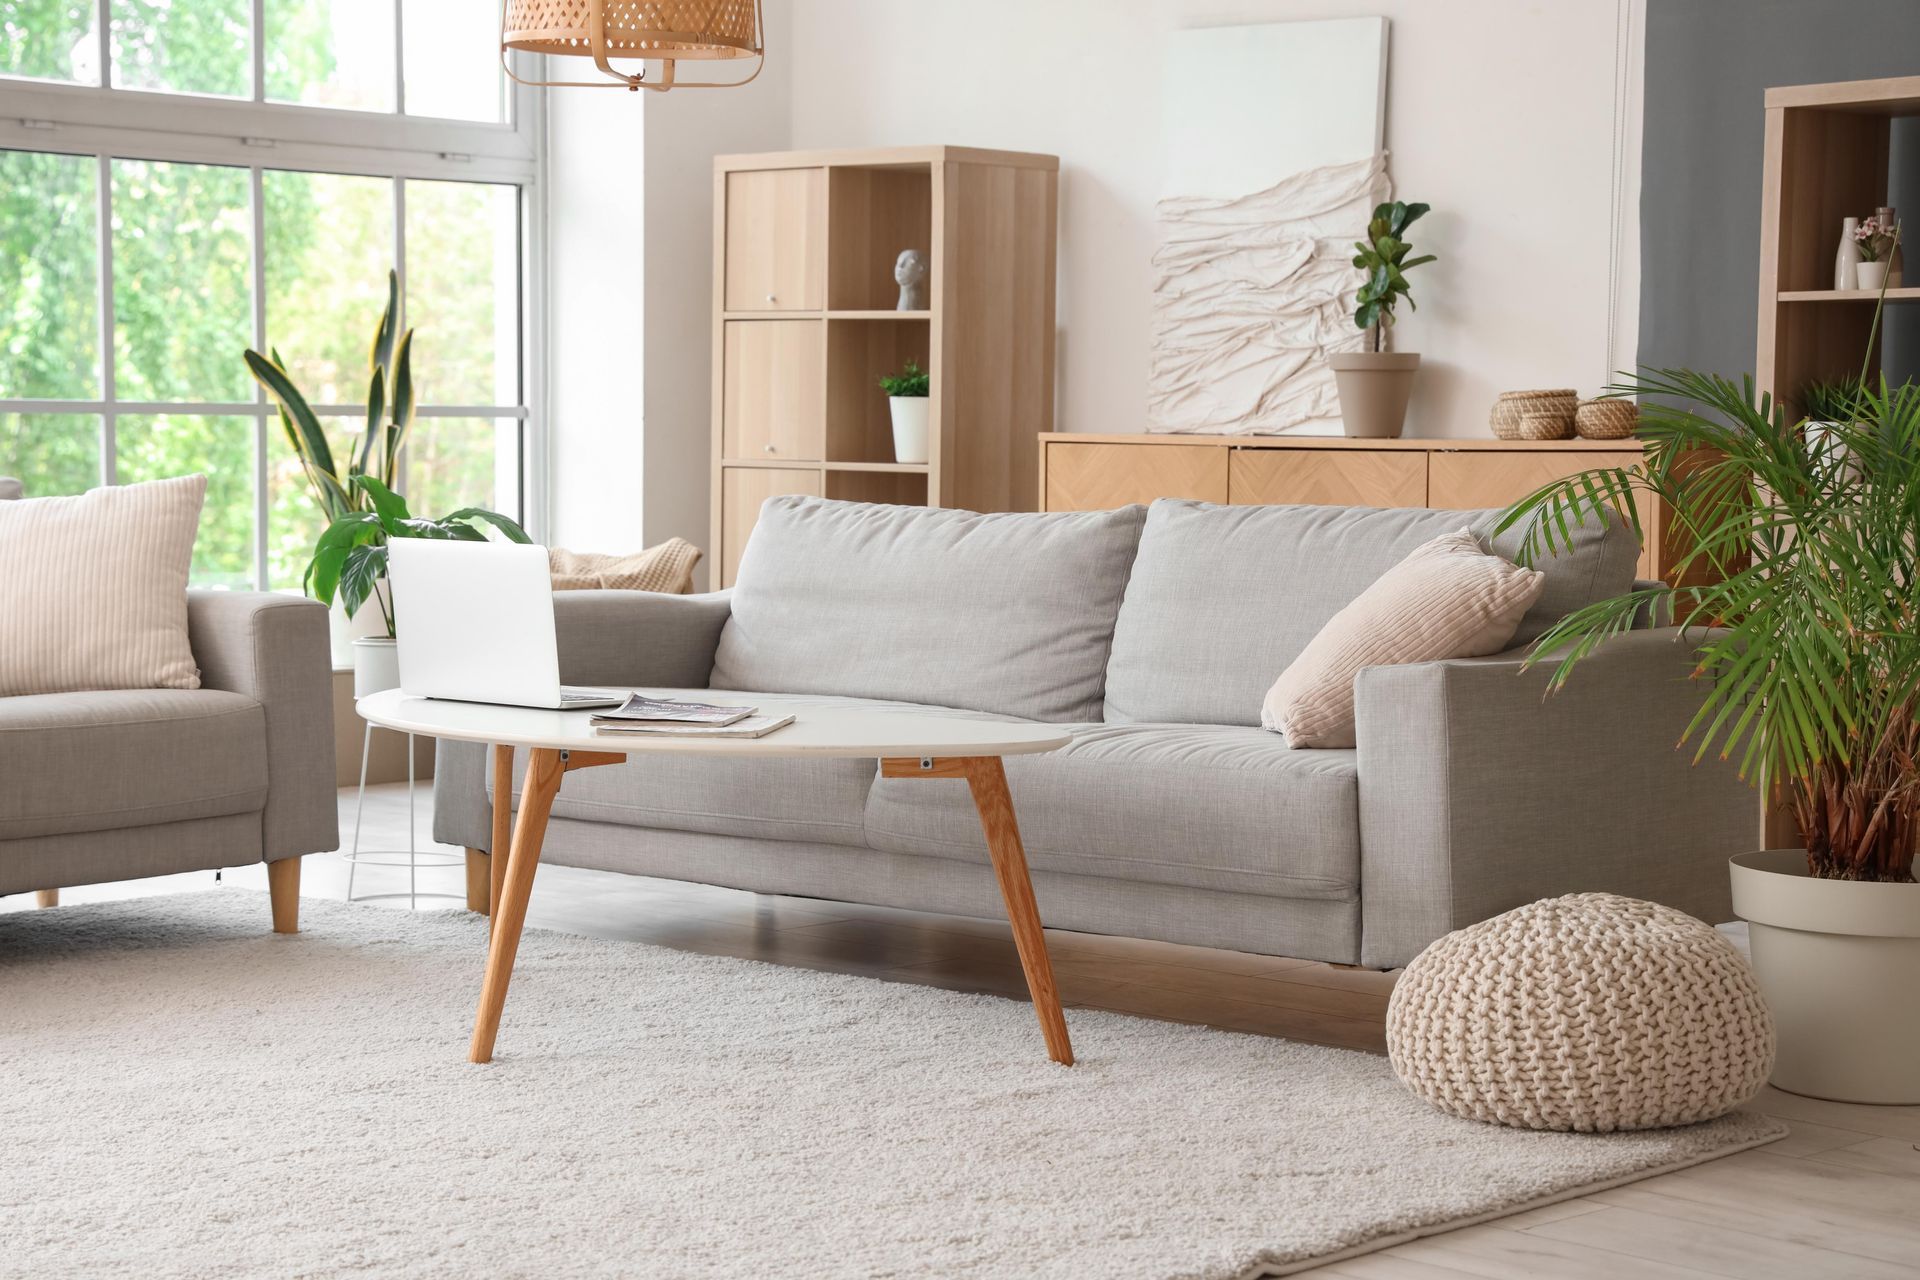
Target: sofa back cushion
1010	613
1223	599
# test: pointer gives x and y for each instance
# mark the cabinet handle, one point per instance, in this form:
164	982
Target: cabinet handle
771	298
770	449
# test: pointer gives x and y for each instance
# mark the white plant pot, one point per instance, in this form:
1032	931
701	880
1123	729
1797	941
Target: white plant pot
342	631
1871	275
1837	962
376	665
909	427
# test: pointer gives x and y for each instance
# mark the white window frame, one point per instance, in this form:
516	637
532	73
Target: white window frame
106	123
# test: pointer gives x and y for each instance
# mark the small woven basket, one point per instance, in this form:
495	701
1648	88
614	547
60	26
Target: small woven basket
1606	419
1544	426
1512	407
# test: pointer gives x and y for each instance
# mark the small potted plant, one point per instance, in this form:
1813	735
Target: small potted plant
1875	241
1376	384
350	564
1805	548
907	393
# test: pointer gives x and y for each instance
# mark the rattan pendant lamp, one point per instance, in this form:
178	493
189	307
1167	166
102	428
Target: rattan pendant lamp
659	30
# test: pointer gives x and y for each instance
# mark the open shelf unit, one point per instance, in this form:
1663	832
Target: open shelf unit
805	326
1827	158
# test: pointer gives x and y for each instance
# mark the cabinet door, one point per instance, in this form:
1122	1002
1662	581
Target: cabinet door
742	490
1096	477
1473	480
776	240
1328	477
773	390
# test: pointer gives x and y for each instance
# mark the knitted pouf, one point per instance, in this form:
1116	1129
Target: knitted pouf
1590	1012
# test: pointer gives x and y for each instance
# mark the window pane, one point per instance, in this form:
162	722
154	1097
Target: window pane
463	462
184	46
453	61
463	291
294	518
329	248
182	281
50	40
331	53
50	453
49	277
154	448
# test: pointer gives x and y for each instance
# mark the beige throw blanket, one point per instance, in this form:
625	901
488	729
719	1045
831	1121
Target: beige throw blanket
667	567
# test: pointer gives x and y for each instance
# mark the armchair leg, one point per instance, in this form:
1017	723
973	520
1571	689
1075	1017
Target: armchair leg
46	897
479	881
283	883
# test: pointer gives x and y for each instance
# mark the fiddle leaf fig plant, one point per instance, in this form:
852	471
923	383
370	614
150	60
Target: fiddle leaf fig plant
1383	257
351	557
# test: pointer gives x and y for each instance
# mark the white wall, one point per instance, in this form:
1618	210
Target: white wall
1499	114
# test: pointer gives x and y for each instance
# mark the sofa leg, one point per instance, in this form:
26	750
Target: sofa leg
46	897
479	881
283	883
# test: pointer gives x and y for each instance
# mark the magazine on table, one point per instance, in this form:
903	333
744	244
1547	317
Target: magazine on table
752	726
640	709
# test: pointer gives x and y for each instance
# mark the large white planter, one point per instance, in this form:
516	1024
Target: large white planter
909	427
376	665
342	631
1839	966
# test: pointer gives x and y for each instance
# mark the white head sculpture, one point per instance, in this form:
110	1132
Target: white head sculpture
910	273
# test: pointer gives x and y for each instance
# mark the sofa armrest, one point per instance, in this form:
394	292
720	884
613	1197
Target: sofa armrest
632	638
619	638
1480	793
273	649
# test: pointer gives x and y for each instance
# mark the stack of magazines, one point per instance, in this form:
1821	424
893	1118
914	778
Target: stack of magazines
641	714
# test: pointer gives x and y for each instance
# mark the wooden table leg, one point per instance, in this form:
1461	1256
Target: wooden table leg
544	771
502	822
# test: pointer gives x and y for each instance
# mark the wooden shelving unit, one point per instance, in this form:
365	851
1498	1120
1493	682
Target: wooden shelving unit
1827	158
804	327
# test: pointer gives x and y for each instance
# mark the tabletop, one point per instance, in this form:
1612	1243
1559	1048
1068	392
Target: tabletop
821	727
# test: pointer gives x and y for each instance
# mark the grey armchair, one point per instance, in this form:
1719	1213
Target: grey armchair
121	784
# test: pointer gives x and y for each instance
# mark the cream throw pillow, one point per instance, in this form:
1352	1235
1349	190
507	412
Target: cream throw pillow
1447	599
93	589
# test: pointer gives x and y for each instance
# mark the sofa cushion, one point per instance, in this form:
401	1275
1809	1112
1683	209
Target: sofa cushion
1206	806
1223	599
1010	613
98	761
818	800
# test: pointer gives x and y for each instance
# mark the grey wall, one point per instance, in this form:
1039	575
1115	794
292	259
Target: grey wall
1708	65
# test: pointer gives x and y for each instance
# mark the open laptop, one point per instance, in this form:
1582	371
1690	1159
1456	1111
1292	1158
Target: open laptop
475	622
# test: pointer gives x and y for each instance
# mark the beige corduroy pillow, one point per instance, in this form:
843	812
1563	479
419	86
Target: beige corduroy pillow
1447	599
94	590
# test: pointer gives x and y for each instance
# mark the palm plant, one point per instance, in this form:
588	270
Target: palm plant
390	407
1801	553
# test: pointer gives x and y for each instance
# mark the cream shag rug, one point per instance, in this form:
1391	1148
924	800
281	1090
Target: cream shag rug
184	1094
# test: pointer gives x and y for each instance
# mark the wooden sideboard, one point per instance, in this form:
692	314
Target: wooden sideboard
1092	472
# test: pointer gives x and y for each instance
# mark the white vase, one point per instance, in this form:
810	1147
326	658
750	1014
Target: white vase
342	631
1846	261
376	665
909	427
1871	275
1836	961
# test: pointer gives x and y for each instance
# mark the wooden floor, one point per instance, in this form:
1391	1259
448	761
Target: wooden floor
1839	1198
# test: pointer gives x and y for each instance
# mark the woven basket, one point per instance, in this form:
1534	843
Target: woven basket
1543	426
1606	419
636	28
1512	406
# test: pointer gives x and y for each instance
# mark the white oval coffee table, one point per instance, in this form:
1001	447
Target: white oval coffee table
908	744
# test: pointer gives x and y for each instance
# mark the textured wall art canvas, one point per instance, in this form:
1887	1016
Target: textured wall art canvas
1272	160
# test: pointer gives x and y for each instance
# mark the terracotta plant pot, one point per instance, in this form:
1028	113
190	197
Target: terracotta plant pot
1374	389
1837	961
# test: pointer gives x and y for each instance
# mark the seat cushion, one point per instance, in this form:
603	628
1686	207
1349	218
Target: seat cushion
1223	599
99	761
1207	806
822	801
1009	613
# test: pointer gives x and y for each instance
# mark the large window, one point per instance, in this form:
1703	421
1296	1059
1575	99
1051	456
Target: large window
181	181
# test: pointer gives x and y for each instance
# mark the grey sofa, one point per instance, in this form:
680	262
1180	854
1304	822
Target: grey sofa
1153	634
122	784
